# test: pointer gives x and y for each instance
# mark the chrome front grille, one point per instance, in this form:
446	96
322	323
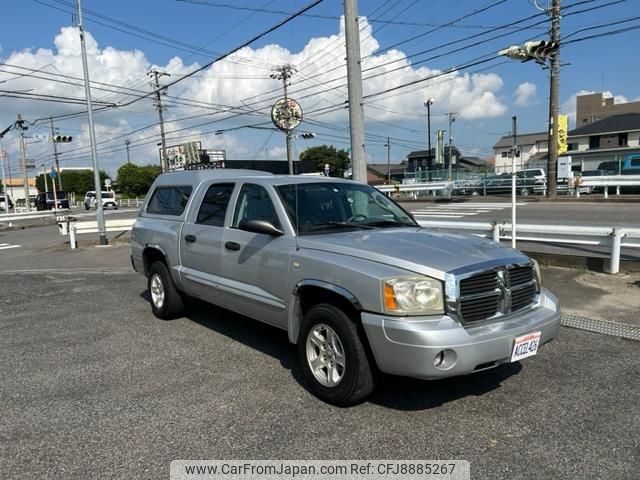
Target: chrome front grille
496	292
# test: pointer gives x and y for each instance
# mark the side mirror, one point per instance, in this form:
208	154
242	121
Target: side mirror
260	226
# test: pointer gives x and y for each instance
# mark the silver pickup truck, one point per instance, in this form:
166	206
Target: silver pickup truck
358	285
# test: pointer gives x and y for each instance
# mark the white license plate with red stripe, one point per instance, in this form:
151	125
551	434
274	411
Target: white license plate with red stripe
525	346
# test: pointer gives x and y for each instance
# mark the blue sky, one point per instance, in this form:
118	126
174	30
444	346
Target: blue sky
39	37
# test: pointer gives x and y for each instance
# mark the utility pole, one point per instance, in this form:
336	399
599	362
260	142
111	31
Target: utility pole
284	73
388	161
354	86
155	74
452	118
554	78
3	156
126	144
23	161
102	232
428	102
44	174
513	180
55	153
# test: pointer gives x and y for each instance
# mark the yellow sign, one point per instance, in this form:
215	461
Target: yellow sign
563	124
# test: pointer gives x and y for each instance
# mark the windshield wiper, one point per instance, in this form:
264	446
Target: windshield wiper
333	224
390	223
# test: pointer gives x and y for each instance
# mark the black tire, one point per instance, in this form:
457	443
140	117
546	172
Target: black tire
172	304
357	382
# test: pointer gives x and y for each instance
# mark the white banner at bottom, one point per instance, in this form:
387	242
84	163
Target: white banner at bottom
320	470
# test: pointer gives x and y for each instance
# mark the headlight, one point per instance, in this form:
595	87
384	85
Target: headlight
536	269
412	295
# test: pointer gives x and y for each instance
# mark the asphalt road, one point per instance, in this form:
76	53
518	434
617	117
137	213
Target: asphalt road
499	209
93	386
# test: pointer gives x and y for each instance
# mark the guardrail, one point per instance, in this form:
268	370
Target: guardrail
413	188
4	217
607	181
613	237
79	228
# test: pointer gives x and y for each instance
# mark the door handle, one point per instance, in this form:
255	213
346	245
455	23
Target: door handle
232	246
190	238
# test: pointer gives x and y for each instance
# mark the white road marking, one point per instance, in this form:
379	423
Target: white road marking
7	246
452	210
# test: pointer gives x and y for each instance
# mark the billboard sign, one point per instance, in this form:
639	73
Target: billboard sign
563	124
179	156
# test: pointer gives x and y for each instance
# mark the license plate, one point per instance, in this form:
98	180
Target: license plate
525	346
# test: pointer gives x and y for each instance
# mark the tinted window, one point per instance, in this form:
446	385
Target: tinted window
169	200
254	203
214	204
635	162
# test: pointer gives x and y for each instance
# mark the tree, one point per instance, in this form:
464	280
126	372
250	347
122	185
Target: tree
134	180
338	160
77	181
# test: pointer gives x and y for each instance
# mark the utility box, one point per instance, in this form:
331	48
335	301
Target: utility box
564	167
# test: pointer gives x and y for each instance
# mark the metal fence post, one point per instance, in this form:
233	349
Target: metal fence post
618	190
606	192
616	241
496	232
72	236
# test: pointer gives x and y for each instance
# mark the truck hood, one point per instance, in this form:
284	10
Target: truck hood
420	250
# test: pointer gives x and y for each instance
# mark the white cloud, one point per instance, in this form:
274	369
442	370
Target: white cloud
242	81
524	94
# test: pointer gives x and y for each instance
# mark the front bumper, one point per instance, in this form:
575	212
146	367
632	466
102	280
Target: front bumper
408	346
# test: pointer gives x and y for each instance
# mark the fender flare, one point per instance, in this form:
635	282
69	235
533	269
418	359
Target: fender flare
294	317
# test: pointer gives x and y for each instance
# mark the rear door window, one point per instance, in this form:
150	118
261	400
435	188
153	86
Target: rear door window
214	204
169	200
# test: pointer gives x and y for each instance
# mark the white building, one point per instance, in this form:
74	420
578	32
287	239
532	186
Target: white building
531	151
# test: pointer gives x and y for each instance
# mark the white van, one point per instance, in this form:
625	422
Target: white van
108	200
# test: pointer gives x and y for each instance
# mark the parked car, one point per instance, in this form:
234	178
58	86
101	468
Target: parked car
108	200
4	200
593	173
46	200
356	282
612	168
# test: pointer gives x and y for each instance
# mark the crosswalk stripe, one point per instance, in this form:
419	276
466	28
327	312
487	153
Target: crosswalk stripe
6	246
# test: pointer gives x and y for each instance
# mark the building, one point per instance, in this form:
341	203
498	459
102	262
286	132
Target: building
419	161
15	188
593	107
378	173
531	151
608	139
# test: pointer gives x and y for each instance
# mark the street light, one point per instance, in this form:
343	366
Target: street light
428	102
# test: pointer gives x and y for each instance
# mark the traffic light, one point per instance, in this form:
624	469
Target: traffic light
308	135
535	49
62	138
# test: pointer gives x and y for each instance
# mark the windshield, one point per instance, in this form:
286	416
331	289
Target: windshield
107	195
322	207
59	195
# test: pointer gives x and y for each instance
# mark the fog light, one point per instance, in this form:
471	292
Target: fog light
445	359
438	359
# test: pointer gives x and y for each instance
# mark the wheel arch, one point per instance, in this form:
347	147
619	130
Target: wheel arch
308	293
152	254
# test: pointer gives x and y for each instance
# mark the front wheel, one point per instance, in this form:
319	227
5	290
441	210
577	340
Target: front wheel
166	300
333	357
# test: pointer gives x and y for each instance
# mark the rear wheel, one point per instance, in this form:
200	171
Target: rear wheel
333	357
166	301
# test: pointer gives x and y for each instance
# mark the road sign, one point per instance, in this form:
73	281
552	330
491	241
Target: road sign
107	182
53	173
3	154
